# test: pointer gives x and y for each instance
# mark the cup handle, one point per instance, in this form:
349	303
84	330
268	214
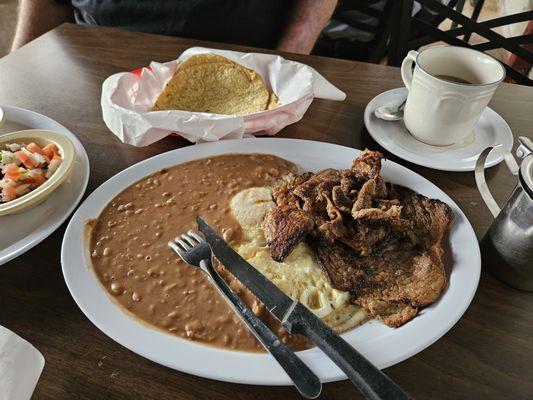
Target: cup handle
482	186
407	68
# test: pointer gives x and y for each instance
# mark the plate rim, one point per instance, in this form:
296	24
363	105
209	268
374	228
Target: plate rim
17	249
368	114
276	377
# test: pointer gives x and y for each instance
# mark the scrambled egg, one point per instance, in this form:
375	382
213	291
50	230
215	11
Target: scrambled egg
299	275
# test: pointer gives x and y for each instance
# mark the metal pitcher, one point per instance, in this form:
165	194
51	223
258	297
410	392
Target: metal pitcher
508	244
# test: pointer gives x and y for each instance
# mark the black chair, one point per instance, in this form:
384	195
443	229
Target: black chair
401	40
367	29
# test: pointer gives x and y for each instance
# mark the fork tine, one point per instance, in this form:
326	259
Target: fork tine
176	248
198	238
184	246
188	239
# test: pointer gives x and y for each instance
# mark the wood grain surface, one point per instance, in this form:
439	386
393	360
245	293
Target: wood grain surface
487	355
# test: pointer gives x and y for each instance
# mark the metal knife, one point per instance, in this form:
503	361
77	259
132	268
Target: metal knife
296	318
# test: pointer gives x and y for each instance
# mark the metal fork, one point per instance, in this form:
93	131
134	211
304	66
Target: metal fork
193	249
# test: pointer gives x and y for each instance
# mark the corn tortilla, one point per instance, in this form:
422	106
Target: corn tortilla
214	84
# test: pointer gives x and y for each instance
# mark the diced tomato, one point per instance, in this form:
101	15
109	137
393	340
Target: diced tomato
38	180
26	178
25	159
35	178
11	171
35	149
51	150
9	194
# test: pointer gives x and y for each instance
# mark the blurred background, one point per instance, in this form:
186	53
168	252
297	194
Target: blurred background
373	30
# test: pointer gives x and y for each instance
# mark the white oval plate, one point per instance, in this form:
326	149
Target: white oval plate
382	345
30	227
490	130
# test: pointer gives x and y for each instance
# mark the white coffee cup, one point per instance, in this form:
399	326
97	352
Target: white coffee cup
442	112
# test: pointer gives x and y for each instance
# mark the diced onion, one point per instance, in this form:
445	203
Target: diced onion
7	157
22	189
5	183
52	167
14	147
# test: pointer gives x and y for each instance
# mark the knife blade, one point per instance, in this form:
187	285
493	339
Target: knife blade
294	316
277	302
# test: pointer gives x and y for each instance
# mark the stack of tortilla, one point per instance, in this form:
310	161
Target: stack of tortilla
214	84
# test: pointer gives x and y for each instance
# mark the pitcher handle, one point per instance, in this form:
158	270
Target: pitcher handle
482	186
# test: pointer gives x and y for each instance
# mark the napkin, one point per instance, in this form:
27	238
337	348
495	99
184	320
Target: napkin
127	99
20	366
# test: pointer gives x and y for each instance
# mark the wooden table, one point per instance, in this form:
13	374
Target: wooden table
488	354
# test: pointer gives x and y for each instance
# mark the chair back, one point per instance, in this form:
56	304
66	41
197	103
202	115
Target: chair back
521	47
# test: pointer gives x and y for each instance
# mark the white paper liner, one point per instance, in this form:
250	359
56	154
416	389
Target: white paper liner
21	365
127	99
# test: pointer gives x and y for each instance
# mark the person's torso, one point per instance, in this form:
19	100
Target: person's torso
251	22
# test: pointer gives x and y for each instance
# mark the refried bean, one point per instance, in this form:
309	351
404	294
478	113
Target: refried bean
130	256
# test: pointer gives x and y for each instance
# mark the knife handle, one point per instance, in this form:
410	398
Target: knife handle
307	383
370	381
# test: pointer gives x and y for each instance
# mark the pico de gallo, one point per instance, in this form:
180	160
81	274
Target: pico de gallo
25	167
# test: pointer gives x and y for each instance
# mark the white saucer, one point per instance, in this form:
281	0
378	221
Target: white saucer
490	130
30	227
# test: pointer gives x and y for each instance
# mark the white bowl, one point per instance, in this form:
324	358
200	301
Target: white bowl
41	138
